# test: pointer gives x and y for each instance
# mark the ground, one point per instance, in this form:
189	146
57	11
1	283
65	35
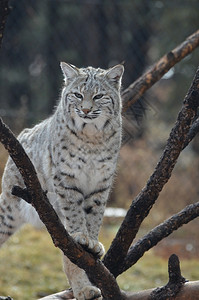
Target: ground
31	267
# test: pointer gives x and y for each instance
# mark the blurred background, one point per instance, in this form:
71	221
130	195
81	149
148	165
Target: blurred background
101	33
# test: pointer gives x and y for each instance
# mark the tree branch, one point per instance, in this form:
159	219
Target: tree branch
34	194
143	83
142	204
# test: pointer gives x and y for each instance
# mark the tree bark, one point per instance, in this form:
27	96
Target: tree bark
192	132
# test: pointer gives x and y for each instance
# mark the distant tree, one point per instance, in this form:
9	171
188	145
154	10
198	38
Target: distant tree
42	33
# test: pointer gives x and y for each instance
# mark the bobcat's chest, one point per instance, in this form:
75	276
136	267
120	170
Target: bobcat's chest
84	168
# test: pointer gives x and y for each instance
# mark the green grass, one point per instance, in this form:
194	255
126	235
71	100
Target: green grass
30	266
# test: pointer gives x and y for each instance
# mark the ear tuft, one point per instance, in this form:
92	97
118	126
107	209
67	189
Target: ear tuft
115	73
69	71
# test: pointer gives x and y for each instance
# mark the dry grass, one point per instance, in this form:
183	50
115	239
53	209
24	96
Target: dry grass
31	266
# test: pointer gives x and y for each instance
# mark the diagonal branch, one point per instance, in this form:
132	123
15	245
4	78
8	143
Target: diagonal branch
143	83
34	194
142	204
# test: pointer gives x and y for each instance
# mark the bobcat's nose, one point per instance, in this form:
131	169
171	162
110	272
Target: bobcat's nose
86	110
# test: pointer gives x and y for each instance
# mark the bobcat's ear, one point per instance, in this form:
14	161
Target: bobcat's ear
115	73
69	71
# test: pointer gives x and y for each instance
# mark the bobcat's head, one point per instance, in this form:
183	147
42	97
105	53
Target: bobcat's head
91	95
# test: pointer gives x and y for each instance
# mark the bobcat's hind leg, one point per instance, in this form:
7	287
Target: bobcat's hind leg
79	282
10	219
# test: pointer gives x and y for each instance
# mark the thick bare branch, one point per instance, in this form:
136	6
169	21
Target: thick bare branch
142	204
34	194
143	83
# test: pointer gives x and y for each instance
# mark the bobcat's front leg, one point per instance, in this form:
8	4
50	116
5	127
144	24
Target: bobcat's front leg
74	215
71	205
94	207
74	211
75	221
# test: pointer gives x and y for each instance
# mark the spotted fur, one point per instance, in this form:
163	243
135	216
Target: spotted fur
75	153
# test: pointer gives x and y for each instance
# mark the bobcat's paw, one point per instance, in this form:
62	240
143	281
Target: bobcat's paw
98	249
92	245
89	292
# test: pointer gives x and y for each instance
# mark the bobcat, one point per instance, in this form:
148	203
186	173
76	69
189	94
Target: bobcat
75	154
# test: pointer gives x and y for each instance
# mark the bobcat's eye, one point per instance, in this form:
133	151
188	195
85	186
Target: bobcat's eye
79	96
99	96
